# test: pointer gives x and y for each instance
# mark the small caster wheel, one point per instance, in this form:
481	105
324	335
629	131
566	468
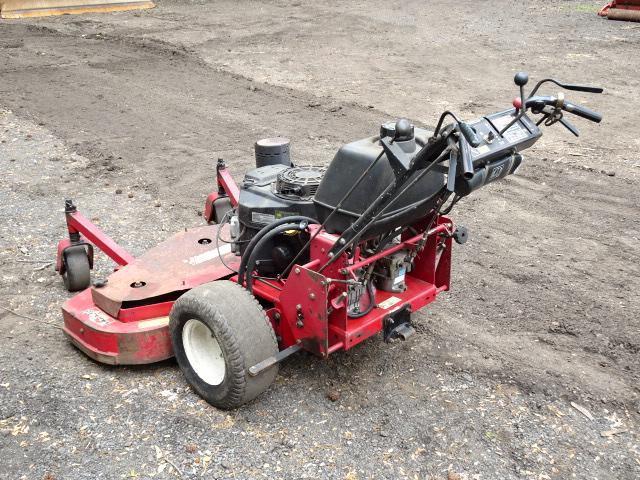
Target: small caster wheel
77	271
461	235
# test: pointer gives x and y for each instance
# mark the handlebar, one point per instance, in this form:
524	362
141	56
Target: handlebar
538	102
461	141
583	112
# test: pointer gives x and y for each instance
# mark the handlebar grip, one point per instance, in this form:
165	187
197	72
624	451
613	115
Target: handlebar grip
583	112
469	134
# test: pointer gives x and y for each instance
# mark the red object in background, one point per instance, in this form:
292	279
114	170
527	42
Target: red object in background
125	320
621	10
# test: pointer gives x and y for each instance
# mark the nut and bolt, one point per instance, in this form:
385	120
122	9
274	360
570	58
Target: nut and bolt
312	296
297	271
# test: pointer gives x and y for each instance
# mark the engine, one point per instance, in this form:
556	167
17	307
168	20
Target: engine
277	189
274	190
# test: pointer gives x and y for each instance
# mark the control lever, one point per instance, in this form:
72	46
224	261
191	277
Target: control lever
580	88
469	134
566	86
569	126
462	152
520	79
451	174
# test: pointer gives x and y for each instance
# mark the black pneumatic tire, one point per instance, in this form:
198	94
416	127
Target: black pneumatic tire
77	272
244	335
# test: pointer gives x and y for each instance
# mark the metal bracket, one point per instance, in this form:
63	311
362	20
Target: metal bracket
400	162
398	325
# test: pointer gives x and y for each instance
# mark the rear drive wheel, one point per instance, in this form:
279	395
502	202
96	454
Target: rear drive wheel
77	271
219	331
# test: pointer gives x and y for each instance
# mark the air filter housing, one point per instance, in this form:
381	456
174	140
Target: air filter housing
272	151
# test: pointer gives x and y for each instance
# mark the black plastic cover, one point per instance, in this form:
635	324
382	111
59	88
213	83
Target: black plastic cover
348	165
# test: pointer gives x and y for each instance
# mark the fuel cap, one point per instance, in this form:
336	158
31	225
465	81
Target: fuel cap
400	131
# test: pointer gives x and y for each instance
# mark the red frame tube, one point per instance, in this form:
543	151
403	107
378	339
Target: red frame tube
407	243
78	223
227	188
226	182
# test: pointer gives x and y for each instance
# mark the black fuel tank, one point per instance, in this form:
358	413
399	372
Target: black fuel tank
346	167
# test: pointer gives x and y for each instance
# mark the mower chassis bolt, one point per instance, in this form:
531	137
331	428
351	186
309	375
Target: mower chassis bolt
297	270
298	307
312	296
277	316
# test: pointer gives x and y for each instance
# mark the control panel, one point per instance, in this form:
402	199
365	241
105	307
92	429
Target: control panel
520	135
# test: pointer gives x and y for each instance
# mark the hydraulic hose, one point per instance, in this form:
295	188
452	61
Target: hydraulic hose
256	238
274	232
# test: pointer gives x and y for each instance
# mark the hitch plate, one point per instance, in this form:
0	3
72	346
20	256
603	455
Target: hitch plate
398	326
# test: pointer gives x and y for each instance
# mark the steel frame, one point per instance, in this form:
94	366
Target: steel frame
83	232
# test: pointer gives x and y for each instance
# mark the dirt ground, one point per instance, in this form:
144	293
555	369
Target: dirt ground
528	369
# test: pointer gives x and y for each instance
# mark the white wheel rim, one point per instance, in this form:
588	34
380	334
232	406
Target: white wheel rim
203	352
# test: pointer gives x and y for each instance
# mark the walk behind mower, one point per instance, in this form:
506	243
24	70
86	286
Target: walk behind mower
299	257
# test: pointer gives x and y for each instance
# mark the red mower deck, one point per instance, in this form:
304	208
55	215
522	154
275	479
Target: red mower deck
125	320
